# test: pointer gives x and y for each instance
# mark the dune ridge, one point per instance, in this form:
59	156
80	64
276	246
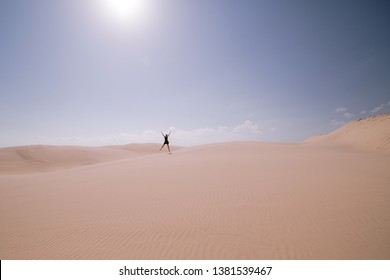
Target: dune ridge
44	158
369	134
240	200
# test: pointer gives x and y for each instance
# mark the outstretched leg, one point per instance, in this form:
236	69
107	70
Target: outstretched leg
168	148
162	146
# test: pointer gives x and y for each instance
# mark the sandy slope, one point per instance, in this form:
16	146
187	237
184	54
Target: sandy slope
30	159
241	200
369	134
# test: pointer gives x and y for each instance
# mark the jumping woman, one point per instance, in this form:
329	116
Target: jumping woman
166	142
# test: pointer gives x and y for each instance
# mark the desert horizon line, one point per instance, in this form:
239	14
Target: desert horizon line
248	131
322	199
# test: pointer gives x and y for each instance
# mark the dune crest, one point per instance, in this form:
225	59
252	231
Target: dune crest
369	134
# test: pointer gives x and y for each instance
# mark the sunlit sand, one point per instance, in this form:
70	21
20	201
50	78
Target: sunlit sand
326	198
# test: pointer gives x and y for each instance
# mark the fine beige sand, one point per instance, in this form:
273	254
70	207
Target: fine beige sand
327	198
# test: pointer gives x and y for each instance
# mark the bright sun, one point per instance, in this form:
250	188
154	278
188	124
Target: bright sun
126	10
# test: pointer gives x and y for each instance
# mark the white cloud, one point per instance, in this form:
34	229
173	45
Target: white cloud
340	109
377	109
337	122
348	115
247	130
247	127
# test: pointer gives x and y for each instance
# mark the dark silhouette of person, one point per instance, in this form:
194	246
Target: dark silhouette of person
166	142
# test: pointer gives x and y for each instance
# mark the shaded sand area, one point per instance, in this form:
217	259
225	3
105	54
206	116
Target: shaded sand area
323	199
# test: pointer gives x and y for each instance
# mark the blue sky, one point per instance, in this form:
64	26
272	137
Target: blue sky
87	73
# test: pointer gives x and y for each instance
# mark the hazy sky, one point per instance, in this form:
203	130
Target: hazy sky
97	72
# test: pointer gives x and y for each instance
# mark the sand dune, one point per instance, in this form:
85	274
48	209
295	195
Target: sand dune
243	200
29	159
369	134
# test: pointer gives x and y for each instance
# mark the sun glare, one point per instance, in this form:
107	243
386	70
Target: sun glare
126	10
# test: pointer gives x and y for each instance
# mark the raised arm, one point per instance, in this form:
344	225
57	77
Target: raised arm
169	133
162	134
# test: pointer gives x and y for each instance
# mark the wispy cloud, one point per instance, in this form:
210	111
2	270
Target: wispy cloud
348	115
382	108
247	127
248	130
342	113
335	122
378	108
340	109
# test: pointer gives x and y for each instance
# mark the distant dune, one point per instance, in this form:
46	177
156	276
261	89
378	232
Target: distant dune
323	199
28	159
370	134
